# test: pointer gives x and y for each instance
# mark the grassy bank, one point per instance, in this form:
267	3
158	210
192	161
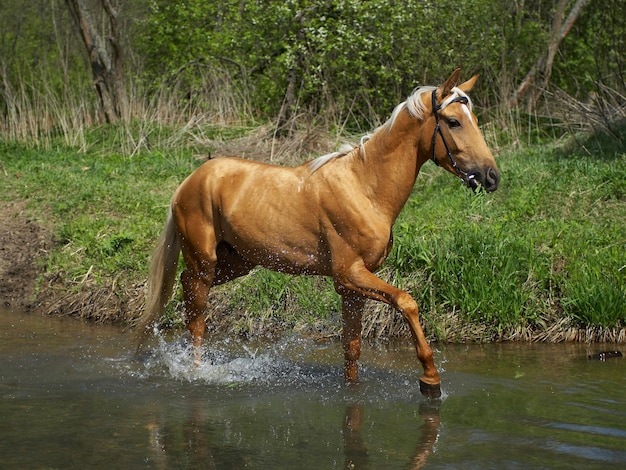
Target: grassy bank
544	258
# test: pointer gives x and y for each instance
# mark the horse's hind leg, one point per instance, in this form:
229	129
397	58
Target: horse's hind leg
197	278
207	264
195	293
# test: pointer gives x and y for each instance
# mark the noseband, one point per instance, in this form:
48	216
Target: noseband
436	108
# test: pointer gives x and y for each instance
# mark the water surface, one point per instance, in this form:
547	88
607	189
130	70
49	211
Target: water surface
74	395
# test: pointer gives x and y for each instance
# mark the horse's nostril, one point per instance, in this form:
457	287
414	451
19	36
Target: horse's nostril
492	180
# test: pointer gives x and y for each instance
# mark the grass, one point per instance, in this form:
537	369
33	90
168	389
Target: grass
550	243
548	248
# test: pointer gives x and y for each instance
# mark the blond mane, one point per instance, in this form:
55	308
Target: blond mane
415	106
344	149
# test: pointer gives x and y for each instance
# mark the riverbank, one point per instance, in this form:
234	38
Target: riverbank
23	244
542	259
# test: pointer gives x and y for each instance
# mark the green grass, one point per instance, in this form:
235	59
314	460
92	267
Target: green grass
550	243
105	211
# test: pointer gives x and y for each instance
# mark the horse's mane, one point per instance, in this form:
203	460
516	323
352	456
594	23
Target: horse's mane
414	104
319	162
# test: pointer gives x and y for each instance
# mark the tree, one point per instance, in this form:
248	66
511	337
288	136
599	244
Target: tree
105	57
542	68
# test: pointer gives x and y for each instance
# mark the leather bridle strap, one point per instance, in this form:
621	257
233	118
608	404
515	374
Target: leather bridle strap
436	108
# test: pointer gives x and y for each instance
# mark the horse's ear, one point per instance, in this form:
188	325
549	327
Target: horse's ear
468	85
453	79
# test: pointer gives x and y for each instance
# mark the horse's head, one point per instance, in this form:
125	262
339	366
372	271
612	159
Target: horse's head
456	141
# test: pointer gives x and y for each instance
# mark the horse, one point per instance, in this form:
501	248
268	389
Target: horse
331	216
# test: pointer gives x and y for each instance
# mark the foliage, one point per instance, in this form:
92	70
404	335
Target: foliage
359	58
346	63
600	30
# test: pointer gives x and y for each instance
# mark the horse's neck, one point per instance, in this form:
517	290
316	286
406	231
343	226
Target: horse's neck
392	163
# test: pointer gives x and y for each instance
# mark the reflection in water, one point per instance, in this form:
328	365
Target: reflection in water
356	453
429	435
353	447
192	439
220	366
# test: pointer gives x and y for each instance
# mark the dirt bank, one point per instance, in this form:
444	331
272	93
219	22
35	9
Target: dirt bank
23	245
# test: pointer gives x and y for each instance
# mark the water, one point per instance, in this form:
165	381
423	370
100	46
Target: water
74	395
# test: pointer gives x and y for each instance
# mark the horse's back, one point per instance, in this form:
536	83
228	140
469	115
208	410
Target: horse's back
228	179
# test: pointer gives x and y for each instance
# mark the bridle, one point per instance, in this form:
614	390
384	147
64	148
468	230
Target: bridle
465	177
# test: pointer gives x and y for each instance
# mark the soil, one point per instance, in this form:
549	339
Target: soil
23	244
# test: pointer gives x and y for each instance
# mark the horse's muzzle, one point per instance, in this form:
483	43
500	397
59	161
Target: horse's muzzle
489	179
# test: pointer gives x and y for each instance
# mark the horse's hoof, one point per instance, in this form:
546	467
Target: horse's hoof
430	390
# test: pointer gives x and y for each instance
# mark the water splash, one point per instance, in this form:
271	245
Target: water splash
303	366
230	362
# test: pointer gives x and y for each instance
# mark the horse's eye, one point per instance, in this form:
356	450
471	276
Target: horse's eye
452	123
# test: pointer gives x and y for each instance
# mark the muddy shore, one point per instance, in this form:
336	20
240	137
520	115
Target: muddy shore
23	246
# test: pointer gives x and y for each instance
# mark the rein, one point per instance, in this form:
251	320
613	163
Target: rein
436	108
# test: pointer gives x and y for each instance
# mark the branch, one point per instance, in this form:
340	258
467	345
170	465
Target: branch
544	63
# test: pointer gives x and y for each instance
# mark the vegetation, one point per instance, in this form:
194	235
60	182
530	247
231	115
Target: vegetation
342	63
542	259
546	249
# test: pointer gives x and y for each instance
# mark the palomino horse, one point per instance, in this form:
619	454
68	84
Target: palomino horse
329	217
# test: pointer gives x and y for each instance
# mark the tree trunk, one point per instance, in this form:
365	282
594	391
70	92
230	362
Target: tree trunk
107	66
284	126
288	106
543	66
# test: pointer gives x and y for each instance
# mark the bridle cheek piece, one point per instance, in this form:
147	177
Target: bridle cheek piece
436	108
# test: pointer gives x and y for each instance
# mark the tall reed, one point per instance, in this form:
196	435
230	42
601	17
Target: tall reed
40	114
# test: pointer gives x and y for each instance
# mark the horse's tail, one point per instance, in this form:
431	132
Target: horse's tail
161	278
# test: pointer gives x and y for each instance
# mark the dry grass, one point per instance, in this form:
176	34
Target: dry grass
98	302
601	112
306	141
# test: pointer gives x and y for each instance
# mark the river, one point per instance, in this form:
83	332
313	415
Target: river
75	395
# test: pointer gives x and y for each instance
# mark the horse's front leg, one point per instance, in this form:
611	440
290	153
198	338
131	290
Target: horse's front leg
360	279
430	383
352	310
